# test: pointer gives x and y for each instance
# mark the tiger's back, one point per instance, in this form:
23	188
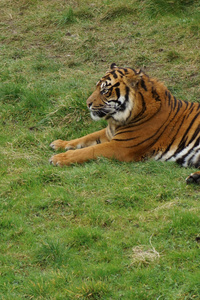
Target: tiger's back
167	129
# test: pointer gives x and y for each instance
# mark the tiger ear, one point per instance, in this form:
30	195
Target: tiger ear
133	78
139	72
113	65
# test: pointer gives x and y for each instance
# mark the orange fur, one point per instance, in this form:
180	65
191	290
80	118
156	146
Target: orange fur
144	120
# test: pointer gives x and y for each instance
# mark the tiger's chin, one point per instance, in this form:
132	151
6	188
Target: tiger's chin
95	117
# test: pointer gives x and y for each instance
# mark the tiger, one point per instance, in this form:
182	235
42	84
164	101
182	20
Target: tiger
144	121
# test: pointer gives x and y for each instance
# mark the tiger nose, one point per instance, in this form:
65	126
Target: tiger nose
89	103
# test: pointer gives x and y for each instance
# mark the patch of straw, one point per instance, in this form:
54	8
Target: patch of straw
142	256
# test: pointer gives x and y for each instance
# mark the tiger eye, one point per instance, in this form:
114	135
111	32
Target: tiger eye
103	92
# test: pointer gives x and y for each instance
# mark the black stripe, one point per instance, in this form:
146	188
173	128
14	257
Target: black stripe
175	102
98	141
186	102
169	98
117	92
107	77
195	134
116	84
180	104
127	93
155	94
120	72
126	131
143	85
189	162
174	138
135	71
182	143
111	89
114	74
125	140
191	107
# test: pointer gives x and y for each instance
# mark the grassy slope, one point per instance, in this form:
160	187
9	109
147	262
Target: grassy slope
103	230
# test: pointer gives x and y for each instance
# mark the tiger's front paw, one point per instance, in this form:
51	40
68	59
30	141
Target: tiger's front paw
60	159
60	144
194	178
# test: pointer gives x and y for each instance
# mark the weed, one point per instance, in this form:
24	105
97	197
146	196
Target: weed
39	289
67	17
81	237
89	290
85	13
117	12
195	29
163	7
10	92
51	253
141	60
172	55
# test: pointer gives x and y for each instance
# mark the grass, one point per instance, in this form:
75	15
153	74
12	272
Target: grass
105	229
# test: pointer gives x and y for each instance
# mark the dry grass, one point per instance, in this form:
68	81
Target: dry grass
144	256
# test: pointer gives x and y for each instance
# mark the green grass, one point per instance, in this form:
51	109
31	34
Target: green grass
104	229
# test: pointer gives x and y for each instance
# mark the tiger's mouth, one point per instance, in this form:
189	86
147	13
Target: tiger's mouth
117	112
104	113
97	114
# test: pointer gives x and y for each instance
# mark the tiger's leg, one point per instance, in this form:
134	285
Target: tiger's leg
194	178
85	141
107	149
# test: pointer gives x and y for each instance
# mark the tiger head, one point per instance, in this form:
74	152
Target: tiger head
116	97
